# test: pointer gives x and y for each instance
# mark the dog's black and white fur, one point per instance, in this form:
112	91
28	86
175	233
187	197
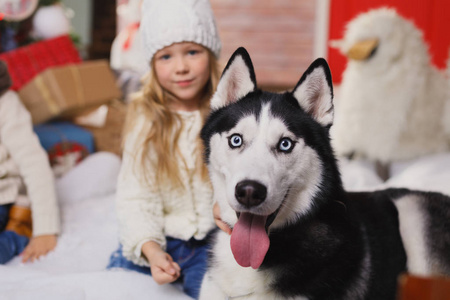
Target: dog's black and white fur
270	159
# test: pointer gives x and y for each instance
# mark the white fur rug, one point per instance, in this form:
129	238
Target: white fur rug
75	270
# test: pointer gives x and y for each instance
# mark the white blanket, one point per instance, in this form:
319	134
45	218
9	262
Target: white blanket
76	268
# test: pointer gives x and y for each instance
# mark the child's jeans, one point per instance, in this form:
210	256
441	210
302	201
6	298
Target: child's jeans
11	244
190	255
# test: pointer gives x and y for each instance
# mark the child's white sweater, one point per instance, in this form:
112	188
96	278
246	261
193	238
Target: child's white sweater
148	212
24	166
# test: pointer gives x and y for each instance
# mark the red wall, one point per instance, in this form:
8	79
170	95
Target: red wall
431	16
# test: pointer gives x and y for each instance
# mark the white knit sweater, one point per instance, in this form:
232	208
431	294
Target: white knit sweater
148	212
24	166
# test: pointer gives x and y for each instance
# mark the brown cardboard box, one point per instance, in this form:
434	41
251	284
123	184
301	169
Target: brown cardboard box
413	287
67	90
109	136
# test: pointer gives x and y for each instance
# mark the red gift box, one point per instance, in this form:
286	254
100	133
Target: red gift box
26	62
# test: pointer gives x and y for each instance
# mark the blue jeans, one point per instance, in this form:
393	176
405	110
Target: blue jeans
11	244
190	255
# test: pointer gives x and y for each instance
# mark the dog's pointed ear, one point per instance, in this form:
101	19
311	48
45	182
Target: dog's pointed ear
314	92
238	79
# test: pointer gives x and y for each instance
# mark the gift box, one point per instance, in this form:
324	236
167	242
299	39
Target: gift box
26	62
70	89
108	130
66	144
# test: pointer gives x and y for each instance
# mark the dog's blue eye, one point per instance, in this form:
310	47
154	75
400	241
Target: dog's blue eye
235	141
285	145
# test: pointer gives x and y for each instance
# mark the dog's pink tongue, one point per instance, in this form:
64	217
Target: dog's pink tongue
249	240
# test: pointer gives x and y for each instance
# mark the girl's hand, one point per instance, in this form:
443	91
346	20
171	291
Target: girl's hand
164	269
39	246
221	224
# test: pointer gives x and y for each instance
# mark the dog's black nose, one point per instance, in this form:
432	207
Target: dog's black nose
250	193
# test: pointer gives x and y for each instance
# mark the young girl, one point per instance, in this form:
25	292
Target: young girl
164	198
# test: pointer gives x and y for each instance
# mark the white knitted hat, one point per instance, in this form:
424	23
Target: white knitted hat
165	22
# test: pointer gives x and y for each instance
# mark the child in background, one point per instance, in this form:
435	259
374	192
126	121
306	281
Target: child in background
164	197
25	175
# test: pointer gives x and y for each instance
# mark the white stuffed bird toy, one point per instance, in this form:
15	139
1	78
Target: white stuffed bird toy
392	101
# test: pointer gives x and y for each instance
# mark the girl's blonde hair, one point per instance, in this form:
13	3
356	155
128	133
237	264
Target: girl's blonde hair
162	136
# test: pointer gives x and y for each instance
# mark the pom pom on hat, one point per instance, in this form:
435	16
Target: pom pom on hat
165	22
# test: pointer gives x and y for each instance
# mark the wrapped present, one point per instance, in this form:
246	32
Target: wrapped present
70	89
26	62
66	144
106	125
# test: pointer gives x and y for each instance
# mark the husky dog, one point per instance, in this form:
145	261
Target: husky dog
296	233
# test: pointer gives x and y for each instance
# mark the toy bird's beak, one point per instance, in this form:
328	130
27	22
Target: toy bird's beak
363	49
